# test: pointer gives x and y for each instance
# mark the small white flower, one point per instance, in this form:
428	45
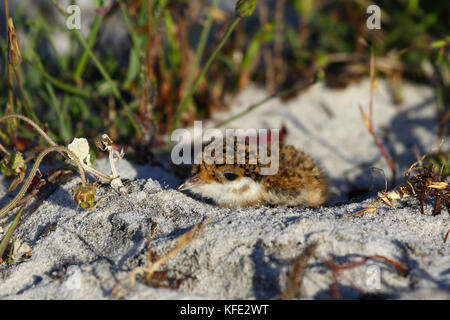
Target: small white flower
80	147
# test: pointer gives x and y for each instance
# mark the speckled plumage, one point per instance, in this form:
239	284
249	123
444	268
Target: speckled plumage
298	181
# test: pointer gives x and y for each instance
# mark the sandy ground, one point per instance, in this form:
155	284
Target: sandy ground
247	253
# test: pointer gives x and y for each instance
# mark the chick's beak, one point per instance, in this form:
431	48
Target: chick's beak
190	183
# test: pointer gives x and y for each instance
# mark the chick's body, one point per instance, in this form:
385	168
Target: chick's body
298	181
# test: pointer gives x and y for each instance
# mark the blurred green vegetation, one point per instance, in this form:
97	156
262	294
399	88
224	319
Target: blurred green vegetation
134	93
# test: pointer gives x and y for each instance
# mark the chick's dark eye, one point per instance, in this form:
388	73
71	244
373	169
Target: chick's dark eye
230	176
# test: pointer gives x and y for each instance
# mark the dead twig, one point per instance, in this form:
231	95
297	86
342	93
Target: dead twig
148	271
297	272
336	271
368	120
424	183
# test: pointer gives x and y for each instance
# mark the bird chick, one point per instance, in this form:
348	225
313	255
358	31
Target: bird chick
298	181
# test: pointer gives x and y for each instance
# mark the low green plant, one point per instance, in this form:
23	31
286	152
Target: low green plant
183	57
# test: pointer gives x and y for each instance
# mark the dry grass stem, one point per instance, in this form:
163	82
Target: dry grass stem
336	271
148	271
297	272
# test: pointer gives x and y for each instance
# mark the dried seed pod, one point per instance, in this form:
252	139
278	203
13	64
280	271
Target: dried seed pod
85	195
15	55
103	142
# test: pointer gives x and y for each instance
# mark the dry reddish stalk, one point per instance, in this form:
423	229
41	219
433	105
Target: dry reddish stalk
373	83
295	279
278	41
368	120
446	236
335	271
357	264
368	124
161	279
39	185
144	109
149	44
182	34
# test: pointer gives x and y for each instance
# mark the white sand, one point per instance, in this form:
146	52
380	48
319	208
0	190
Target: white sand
245	253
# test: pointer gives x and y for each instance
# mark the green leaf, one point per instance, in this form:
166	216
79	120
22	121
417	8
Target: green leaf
133	68
261	37
10	232
438	44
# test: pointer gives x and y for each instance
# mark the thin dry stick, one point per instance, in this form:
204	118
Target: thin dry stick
59	149
148	271
278	45
98	174
369	127
41	184
335	274
3	149
403	190
368	120
182	241
296	274
335	270
9	67
372	84
149	42
379	257
31	123
145	99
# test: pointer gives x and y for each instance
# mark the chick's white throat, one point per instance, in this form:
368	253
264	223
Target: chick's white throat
231	194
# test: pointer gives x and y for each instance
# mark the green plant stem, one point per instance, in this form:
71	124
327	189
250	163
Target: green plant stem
10	105
63	86
202	43
103	71
25	98
98	174
26	185
31	123
81	65
64	129
10	232
194	86
8	63
149	44
131	31
265	100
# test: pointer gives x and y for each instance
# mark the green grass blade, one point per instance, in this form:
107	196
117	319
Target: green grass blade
10	232
81	65
103	71
192	88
